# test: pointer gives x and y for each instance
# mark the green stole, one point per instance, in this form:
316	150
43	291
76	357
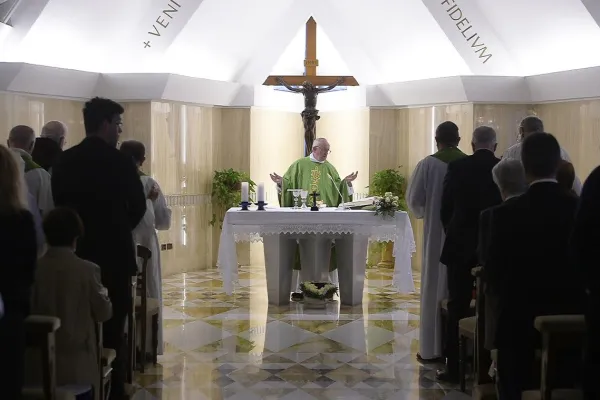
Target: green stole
449	154
29	163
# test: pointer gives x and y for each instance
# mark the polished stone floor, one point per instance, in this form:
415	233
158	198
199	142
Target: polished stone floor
239	347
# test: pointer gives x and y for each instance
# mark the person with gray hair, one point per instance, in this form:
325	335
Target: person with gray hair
21	140
529	125
468	189
50	144
510	178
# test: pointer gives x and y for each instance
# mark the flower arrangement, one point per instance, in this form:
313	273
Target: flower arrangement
318	290
387	205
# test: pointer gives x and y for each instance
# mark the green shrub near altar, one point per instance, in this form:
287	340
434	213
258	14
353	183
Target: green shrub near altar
226	192
389	180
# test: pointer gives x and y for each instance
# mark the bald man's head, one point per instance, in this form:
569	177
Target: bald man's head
320	149
21	137
56	131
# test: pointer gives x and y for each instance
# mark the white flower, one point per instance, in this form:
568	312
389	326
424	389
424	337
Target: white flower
396	198
395	204
388	200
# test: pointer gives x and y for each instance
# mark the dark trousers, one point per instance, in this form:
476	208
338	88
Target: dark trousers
592	348
460	288
12	355
114	331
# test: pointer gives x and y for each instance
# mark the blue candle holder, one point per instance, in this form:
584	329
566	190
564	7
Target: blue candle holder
261	205
244	205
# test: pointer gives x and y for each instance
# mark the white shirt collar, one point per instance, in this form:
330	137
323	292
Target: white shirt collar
543	180
313	159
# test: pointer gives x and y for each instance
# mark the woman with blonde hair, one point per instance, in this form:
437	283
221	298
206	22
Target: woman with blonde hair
18	252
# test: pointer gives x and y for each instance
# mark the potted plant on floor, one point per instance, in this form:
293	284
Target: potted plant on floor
389	181
226	192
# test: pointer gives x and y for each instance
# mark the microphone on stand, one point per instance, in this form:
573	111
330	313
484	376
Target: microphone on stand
338	190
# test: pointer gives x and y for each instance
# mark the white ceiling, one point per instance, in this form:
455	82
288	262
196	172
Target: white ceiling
377	41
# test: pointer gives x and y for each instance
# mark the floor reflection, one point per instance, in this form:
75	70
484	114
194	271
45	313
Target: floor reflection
239	347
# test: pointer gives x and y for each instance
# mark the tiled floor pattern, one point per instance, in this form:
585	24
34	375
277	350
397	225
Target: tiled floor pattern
239	347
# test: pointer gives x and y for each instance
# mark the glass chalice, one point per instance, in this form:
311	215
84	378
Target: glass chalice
296	194
303	196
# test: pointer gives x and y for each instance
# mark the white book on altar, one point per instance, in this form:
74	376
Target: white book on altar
368	201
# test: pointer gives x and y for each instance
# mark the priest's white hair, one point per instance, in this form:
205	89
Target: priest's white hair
54	130
509	176
484	135
319	141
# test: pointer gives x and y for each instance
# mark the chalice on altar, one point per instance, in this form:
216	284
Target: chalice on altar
296	194
303	196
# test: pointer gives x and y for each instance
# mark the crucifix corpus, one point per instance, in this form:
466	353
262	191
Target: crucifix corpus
310	85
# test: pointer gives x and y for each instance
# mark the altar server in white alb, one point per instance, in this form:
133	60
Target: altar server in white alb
529	125
21	140
424	197
157	217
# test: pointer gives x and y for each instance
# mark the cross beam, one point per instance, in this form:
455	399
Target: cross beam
310	65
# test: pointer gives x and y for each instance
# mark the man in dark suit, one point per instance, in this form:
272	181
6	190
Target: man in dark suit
468	190
585	245
527	262
103	186
509	176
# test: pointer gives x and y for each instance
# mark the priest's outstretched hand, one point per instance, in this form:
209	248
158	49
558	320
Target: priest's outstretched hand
350	178
276	178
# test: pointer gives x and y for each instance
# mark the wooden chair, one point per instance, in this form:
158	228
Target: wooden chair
444	314
131	329
40	334
105	360
146	307
558	332
473	329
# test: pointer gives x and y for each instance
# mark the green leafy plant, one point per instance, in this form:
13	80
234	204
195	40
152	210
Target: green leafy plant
226	191
389	181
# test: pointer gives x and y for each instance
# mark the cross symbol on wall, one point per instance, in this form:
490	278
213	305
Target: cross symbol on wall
147	44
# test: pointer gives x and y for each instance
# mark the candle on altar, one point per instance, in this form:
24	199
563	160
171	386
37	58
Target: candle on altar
261	192
244	192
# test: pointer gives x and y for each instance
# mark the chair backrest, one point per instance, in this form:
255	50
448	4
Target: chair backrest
40	333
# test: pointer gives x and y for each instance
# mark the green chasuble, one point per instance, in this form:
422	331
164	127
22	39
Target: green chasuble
29	163
313	176
449	154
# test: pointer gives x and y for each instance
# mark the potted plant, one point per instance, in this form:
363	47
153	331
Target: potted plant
226	192
389	181
318	293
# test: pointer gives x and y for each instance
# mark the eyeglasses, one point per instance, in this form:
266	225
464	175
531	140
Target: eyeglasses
325	150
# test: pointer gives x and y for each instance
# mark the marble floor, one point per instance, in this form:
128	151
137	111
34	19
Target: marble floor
239	347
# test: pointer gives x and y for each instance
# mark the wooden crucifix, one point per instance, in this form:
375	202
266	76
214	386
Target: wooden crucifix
310	85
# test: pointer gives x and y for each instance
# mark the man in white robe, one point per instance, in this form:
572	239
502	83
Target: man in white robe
21	140
529	125
157	217
424	196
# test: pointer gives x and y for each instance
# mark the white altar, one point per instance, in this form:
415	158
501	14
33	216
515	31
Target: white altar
281	228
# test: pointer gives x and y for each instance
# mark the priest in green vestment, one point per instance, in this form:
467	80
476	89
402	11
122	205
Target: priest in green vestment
315	174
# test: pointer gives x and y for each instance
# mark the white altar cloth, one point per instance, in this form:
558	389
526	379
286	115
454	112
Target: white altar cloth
252	226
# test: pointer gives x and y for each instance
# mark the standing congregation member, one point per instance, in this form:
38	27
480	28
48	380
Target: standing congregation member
18	249
423	197
102	185
49	146
21	140
315	174
527	264
468	189
70	289
586	254
528	126
509	176
157	217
